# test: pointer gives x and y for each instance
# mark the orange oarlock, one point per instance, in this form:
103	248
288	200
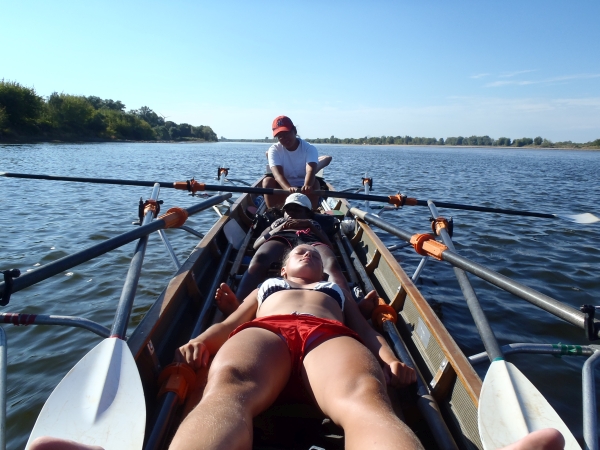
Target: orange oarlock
191	185
223	171
151	205
426	245
383	312
438	224
177	378
401	200
175	217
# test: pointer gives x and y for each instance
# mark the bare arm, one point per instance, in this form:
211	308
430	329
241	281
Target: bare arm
198	350
266	234
279	176
309	179
398	373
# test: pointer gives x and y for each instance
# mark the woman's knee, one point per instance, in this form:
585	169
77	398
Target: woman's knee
228	379
261	261
269	182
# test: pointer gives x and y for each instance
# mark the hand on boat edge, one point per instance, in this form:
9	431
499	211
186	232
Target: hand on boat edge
194	353
398	374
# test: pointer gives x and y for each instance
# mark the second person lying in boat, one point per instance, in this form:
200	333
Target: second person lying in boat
297	226
299	330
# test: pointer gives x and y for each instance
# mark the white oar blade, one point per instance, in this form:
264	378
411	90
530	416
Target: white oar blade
510	407
580	218
99	402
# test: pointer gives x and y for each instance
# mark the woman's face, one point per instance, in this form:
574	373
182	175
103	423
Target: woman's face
296	211
304	261
287	138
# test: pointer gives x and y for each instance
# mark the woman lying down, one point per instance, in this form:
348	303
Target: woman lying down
301	330
292	329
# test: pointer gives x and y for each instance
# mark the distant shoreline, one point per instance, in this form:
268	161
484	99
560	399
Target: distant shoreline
501	147
31	140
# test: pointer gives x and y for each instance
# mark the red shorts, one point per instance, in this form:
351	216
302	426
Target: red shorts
300	332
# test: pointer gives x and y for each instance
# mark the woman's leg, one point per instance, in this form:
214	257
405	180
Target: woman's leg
348	385
275	200
245	378
268	253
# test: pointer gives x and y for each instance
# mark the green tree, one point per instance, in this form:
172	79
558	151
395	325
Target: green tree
174	132
21	105
149	116
538	140
127	126
162	133
72	114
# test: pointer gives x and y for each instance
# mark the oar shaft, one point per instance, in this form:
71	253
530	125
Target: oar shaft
542	301
513	212
132	279
269	191
86	180
62	264
483	327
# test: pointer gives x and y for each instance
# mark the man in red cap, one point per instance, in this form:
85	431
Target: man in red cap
293	162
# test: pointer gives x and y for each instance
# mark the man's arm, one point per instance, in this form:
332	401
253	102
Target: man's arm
281	179
309	179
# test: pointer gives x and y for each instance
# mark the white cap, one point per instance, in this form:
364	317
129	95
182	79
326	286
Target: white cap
298	199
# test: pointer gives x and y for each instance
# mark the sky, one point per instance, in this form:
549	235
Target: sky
344	68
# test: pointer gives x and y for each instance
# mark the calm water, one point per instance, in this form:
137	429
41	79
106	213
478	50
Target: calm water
43	220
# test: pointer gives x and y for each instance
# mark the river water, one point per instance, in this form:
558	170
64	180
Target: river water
41	221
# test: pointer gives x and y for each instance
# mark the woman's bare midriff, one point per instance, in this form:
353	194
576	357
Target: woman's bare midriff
301	301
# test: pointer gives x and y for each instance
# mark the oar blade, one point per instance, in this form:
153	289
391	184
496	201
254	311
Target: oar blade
510	407
585	218
99	402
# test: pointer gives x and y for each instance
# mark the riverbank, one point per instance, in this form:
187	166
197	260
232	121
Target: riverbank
92	140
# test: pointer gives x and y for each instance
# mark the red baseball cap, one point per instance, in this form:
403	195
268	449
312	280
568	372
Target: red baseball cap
282	123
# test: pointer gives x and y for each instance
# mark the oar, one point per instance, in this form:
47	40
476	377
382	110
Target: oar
510	406
424	244
62	264
101	400
397	200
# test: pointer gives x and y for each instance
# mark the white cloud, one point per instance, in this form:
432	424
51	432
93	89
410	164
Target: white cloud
514	74
552	80
480	75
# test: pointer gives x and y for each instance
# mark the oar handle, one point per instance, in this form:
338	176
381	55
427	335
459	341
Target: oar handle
62	264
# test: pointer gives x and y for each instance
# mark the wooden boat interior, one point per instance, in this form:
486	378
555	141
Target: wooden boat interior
171	320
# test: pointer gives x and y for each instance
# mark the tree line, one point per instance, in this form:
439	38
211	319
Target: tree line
25	114
460	140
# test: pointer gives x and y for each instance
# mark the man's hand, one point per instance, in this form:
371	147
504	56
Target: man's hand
306	189
398	374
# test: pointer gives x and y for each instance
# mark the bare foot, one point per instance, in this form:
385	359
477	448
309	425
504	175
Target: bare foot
546	439
50	443
226	300
368	303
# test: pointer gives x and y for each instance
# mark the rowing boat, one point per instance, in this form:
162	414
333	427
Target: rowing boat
444	409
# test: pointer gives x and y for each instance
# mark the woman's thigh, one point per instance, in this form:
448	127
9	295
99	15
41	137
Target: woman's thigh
345	378
274	248
253	367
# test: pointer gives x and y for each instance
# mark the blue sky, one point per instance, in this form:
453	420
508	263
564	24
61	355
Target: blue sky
349	69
